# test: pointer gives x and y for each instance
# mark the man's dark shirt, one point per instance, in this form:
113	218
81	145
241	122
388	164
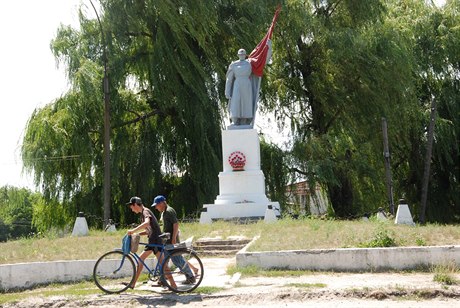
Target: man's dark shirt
153	229
169	219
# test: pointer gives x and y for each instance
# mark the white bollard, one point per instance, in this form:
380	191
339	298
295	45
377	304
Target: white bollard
381	215
270	214
205	218
80	228
110	227
403	215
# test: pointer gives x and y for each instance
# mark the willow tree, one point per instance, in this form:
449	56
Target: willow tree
346	64
436	36
167	62
340	70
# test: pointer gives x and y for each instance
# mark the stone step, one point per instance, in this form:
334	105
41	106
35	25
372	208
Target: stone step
219	241
218	246
217	253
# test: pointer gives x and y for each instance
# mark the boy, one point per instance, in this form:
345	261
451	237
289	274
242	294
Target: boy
152	230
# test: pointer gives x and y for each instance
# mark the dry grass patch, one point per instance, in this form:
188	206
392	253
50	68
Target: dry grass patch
284	234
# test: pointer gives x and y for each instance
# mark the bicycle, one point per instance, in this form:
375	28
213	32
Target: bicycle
114	268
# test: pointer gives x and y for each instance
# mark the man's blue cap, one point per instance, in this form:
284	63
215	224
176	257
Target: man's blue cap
158	199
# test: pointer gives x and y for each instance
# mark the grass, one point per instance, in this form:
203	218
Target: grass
443	274
208	290
307	285
285	234
254	271
76	290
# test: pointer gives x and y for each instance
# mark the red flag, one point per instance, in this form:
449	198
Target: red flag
258	56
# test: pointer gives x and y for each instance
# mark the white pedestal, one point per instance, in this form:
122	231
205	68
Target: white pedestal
241	193
403	215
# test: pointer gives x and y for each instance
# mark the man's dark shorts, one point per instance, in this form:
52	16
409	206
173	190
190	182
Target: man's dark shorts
154	249
156	241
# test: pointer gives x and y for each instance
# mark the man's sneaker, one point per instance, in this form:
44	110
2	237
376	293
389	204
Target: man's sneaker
189	280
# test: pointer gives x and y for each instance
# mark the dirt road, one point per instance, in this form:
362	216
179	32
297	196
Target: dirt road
311	290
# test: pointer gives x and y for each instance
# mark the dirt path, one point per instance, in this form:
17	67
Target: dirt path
312	290
261	296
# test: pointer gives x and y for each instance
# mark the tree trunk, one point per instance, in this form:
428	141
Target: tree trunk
386	156
426	172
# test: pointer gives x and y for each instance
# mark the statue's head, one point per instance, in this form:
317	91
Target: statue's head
242	54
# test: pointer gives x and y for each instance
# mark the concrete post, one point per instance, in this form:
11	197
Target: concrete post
205	218
269	214
110	227
403	215
381	215
80	228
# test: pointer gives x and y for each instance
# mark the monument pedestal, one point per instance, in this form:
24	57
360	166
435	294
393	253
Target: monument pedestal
241	193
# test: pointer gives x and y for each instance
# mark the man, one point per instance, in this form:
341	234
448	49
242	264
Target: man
171	225
151	228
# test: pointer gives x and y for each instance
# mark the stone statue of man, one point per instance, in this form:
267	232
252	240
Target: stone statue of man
242	89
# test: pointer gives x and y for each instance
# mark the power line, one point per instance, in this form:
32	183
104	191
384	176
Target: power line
54	158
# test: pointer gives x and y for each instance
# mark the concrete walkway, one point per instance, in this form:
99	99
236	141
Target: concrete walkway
215	275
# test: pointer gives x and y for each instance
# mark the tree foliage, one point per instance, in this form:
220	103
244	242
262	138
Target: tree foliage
16	212
166	64
339	66
437	76
347	64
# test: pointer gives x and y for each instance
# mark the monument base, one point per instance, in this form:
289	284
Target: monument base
238	211
241	192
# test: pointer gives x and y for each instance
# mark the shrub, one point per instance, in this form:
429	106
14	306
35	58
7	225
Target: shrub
382	238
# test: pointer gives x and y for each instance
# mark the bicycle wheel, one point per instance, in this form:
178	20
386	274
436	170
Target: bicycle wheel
185	268
114	272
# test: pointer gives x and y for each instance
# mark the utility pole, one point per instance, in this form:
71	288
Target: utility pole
386	157
106	90
426	171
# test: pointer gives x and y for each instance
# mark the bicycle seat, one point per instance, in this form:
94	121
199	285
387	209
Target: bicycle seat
175	246
165	236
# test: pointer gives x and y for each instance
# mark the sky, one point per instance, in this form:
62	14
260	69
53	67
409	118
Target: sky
29	76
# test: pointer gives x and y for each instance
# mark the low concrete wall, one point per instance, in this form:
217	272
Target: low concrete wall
25	275
352	259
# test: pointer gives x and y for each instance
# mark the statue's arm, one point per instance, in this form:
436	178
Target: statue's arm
229	82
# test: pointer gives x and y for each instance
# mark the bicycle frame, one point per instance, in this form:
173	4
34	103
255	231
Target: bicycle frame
157	270
184	274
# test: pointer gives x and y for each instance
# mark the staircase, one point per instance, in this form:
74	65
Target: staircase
220	247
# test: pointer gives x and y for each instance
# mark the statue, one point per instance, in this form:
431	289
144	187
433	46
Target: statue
242	89
243	81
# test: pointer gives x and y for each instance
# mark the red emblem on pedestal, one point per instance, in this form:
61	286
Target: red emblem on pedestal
237	160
